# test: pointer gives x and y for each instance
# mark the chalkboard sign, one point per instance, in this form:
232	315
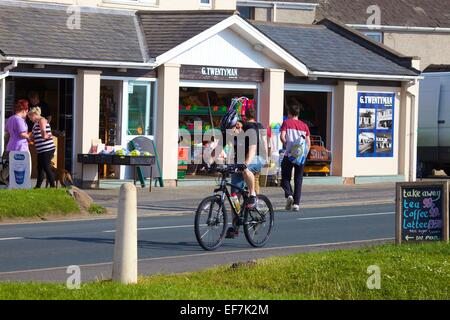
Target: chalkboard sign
422	211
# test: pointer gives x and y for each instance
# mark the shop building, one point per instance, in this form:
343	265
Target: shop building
81	73
142	73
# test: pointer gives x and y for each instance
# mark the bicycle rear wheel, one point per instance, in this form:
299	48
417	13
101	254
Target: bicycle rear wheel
210	223
258	222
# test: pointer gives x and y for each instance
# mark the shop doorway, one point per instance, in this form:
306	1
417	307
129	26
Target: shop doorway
56	100
316	113
205	106
109	129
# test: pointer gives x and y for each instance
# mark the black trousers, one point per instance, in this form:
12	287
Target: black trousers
44	167
286	176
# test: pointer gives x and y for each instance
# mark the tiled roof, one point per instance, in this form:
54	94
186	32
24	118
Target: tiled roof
164	30
412	13
36	30
297	1
322	49
438	68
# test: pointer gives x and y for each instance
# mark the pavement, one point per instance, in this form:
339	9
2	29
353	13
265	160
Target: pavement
177	201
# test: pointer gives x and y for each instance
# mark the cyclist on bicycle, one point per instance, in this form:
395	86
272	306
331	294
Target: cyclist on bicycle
246	142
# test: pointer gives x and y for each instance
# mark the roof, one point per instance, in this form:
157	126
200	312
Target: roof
410	13
164	30
324	50
438	68
295	1
36	30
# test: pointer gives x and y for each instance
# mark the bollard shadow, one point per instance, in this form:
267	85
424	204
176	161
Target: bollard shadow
142	244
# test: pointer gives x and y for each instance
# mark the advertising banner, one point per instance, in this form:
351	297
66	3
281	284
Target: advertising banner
19	170
375	132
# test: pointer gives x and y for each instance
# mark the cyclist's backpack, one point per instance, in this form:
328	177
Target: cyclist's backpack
299	151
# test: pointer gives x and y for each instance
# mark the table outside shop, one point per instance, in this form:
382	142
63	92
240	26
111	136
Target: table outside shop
104	159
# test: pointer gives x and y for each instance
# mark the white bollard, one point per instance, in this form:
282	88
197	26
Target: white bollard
125	246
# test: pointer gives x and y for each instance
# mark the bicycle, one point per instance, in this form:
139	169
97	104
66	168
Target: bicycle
212	216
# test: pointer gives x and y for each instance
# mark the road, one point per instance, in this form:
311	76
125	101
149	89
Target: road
43	251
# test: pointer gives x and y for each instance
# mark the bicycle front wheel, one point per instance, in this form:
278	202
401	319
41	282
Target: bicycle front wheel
258	222
210	223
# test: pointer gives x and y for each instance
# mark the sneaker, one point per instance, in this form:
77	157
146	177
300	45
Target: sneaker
232	233
296	207
252	202
289	203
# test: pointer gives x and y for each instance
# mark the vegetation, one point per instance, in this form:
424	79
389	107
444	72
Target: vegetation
419	271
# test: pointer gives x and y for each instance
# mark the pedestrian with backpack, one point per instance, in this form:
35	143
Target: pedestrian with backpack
295	137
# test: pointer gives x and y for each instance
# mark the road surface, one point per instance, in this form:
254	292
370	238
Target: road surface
43	251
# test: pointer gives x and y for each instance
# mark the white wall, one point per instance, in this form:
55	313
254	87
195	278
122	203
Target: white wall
345	128
225	49
379	166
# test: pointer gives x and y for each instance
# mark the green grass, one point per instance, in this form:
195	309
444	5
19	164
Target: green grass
96	209
407	272
36	203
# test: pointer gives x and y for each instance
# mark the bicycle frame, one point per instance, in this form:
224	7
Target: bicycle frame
223	187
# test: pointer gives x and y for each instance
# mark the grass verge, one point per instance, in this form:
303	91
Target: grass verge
96	209
407	272
35	203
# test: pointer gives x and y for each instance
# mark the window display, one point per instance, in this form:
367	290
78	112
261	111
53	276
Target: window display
206	107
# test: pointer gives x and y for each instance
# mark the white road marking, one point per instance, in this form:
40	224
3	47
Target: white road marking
208	254
13	238
349	216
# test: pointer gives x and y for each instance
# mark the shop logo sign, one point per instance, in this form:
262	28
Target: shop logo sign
19	157
220	72
387	101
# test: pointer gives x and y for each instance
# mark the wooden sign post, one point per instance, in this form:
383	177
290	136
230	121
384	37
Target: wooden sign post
422	212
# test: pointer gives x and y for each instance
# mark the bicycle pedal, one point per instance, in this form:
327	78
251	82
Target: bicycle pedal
232	233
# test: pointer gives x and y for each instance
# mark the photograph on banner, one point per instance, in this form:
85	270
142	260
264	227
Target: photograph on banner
384	143
366	143
384	119
366	118
375	124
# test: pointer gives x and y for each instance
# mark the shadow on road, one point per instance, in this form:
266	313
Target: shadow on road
142	244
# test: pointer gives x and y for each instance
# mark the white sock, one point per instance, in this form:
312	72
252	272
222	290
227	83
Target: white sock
254	193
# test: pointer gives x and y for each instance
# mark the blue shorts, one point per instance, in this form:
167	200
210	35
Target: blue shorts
237	178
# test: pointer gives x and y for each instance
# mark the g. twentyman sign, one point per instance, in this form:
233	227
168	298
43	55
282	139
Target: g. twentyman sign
221	73
375	131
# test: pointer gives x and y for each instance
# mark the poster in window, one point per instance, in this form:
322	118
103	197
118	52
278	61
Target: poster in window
375	132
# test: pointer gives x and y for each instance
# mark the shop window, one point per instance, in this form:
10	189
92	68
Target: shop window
200	110
375	36
140	108
247	12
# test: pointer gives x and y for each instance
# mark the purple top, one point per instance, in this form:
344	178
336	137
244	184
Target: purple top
15	126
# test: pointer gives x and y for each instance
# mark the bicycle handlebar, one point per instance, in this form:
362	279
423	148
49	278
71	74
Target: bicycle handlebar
232	168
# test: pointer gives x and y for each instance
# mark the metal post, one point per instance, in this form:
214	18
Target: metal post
125	247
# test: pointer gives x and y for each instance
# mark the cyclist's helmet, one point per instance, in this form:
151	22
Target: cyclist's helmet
229	120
